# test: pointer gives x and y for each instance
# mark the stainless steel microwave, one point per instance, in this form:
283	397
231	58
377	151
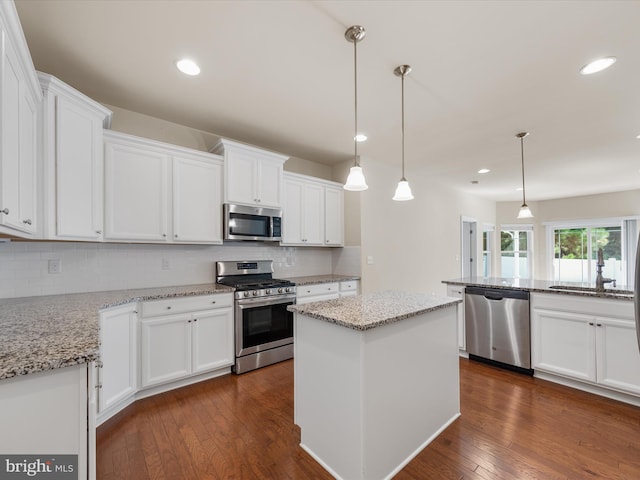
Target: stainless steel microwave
242	222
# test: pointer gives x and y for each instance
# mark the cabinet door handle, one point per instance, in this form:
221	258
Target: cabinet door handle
5	211
213	301
195	319
99	232
27	221
176	235
169	308
598	324
591	323
164	235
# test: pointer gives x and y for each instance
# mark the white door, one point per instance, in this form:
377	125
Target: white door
197	201
269	183
136	193
165	349
212	339
563	343
292	227
79	171
469	248
618	355
334	216
118	356
313	214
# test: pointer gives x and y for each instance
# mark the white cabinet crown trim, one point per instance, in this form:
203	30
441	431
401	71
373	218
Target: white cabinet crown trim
58	87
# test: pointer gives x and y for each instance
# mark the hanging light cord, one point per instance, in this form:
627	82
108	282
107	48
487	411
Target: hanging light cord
403	179
524	201
355	88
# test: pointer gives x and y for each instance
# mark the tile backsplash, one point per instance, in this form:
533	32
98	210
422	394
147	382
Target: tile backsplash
87	267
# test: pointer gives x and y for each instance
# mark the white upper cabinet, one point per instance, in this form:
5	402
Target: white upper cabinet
20	97
72	126
334	216
312	213
251	176
303	222
197	200
155	192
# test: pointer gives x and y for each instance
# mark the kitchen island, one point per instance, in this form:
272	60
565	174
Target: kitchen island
376	379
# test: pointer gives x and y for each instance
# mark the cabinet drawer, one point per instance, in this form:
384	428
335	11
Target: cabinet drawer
175	305
318	289
350	286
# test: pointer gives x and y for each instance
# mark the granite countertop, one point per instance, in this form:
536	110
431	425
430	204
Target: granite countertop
544	286
364	312
316	279
54	331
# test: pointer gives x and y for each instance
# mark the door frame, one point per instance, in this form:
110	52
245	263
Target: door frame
469	250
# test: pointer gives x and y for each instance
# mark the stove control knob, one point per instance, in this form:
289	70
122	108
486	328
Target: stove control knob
267	291
287	289
246	294
280	290
254	293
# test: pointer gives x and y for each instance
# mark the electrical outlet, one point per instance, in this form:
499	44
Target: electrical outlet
165	264
370	260
55	266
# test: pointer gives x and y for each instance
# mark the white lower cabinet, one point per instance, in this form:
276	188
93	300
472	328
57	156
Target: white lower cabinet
457	291
191	341
317	292
117	378
587	339
349	288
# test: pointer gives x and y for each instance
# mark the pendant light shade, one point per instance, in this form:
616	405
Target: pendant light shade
355	181
403	190
525	211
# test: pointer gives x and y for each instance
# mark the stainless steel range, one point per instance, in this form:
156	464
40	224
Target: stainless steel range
263	326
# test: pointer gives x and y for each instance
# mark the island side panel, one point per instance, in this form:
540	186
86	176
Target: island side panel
328	394
411	388
46	413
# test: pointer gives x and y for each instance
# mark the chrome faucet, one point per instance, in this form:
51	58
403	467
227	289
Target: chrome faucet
600	280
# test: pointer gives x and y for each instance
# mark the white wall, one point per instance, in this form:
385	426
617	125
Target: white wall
88	267
415	244
605	205
134	123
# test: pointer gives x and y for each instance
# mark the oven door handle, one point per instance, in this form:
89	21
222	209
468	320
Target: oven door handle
264	302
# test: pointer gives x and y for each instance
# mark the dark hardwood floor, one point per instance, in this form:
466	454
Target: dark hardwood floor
241	427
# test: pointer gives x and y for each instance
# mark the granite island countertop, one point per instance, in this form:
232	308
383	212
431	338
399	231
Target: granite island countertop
364	312
544	286
55	331
317	279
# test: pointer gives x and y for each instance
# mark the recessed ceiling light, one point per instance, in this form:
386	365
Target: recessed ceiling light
361	137
188	67
637	136
597	65
484	170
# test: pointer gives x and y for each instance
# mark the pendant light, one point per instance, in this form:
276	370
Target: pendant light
355	180
403	190
525	211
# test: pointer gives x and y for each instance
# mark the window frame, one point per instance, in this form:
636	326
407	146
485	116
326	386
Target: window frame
490	231
629	229
521	227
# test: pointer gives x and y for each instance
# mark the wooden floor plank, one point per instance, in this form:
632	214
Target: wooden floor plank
241	427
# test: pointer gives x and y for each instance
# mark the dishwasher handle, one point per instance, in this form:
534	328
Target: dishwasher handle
493	296
497	293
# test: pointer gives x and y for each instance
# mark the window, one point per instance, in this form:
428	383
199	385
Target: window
574	250
516	248
487	244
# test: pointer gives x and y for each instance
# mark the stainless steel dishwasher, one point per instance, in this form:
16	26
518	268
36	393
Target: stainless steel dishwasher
497	326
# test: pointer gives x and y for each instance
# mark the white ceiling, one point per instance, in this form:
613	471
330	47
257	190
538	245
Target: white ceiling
279	74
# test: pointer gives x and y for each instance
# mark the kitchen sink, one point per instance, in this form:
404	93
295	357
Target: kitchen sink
591	289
